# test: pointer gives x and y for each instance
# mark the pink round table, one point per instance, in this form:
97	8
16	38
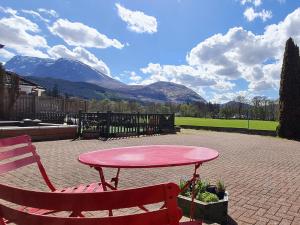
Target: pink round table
146	157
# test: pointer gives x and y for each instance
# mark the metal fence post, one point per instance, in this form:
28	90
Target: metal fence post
108	115
138	124
98	123
173	122
79	123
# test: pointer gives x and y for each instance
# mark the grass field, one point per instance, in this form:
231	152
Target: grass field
253	124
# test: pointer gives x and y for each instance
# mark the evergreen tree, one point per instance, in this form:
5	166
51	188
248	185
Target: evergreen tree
289	102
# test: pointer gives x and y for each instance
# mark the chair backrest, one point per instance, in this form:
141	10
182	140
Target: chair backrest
19	152
80	202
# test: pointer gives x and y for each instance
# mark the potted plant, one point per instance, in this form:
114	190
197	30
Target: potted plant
220	189
209	204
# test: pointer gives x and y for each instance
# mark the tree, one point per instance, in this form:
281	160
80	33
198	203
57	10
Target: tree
13	91
55	91
289	94
241	100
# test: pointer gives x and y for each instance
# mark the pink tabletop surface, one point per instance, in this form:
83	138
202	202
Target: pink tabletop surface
148	156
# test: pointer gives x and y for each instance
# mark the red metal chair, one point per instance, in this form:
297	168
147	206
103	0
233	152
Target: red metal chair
19	152
80	202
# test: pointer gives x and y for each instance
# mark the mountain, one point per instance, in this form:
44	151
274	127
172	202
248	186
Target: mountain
138	93
176	92
77	89
164	91
235	104
62	68
78	79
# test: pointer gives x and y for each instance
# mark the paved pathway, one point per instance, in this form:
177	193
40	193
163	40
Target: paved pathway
262	174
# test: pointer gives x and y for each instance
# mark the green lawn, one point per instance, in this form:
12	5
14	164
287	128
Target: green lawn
254	124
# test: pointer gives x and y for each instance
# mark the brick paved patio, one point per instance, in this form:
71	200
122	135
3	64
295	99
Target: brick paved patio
262	174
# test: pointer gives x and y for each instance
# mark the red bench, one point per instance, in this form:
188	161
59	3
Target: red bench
37	207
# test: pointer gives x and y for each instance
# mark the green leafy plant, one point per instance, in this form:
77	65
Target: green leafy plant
187	191
207	197
220	186
201	186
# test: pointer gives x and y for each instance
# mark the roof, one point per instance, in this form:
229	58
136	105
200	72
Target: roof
23	80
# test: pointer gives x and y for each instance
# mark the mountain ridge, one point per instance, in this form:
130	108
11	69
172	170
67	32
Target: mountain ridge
91	83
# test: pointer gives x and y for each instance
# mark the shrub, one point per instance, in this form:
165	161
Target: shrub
207	197
201	186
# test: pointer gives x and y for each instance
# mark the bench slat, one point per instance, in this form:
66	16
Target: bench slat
16	152
23	139
17	164
158	217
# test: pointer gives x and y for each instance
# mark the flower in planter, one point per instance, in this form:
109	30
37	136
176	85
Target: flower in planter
201	187
207	197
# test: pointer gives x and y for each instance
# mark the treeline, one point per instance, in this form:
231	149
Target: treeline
259	108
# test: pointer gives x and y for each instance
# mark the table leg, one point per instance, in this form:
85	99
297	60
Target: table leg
192	182
195	177
116	178
106	185
102	178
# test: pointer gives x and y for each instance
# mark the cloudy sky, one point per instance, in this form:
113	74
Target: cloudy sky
219	48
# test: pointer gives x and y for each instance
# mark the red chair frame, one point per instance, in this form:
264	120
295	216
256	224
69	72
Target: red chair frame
27	148
170	215
22	148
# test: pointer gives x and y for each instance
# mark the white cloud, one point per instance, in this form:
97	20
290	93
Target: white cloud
79	34
229	96
35	14
238	54
49	12
134	77
221	59
80	54
21	35
182	74
6	54
254	2
137	21
251	15
8	11
223	85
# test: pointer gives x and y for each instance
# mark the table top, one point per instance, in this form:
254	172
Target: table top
148	156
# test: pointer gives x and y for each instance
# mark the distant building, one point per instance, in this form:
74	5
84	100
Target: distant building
26	86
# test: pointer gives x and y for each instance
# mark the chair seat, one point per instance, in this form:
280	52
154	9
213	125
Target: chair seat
82	188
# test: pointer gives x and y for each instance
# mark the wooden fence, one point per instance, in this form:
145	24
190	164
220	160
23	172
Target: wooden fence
110	125
45	108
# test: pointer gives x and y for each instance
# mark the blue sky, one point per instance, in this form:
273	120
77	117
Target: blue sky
219	48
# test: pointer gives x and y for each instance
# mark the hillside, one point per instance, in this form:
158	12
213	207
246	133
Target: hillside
78	79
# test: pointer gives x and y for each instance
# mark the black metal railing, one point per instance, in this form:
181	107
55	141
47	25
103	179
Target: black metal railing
110	125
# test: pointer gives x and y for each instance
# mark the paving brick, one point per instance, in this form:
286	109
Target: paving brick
273	222
285	222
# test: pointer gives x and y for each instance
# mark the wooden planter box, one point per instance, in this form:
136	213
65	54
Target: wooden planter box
213	212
